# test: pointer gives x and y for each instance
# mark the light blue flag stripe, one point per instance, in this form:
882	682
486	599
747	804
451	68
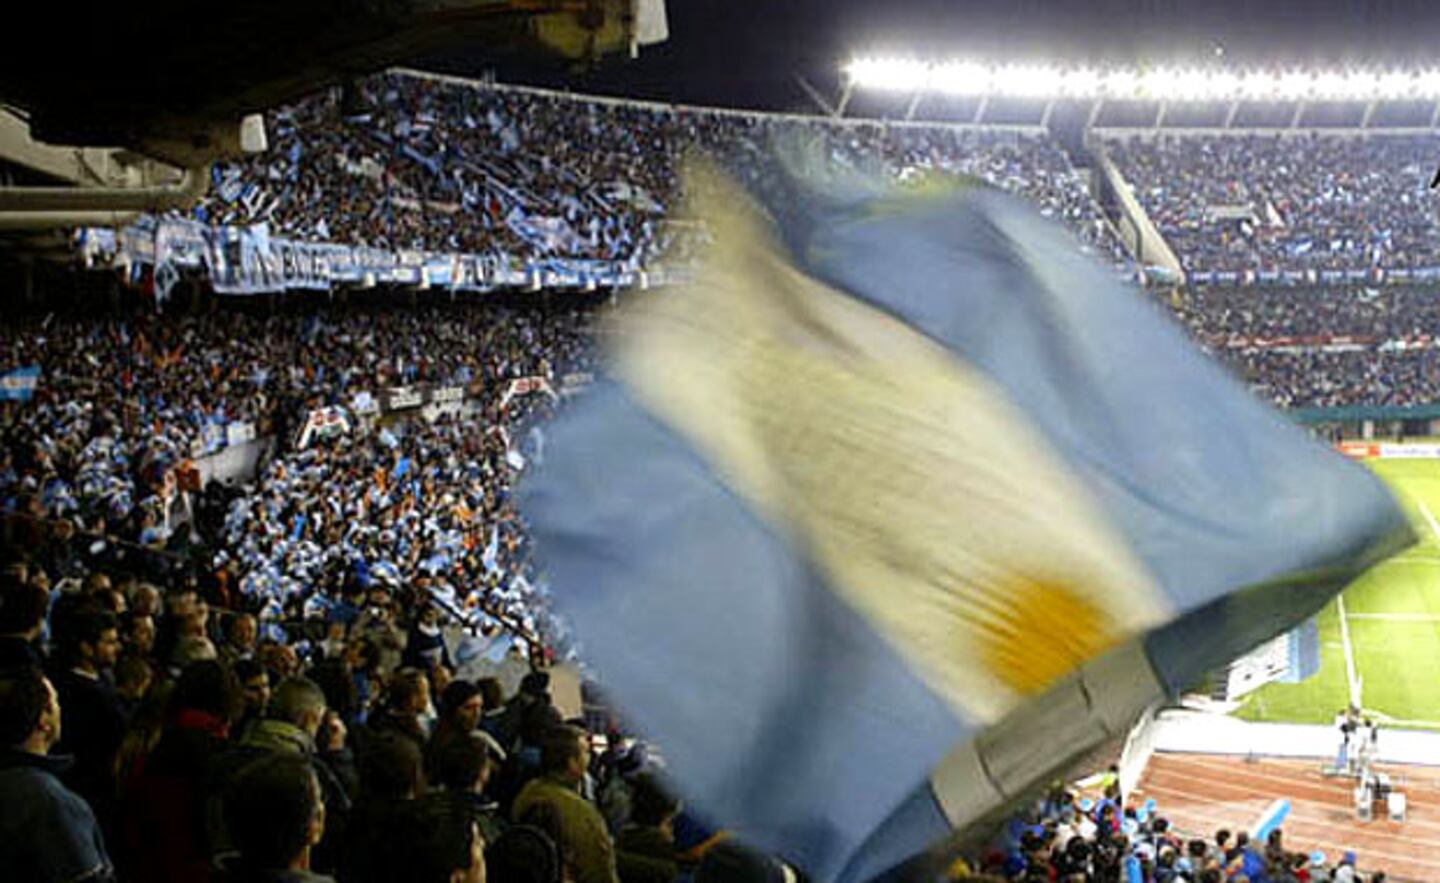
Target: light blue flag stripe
1214	490
673	581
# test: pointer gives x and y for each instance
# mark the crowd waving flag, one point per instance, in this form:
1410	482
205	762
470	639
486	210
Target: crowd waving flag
903	504
19	385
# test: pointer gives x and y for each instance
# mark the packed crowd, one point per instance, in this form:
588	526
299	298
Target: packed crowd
153	734
1326	379
121	401
1306	347
1066	837
1266	202
1216	314
408	162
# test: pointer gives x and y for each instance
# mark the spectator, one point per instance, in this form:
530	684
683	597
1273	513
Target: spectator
438	841
168	796
94	718
460	709
733	863
390	778
425	646
584	841
48	834
255	693
293	727
22	617
133	678
462	768
275	813
240	639
137	633
523	854
645	849
407	696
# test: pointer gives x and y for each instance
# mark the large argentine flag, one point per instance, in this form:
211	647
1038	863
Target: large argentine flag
904	504
19	385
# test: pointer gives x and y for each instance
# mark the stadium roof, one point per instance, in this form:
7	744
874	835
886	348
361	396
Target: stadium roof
750	53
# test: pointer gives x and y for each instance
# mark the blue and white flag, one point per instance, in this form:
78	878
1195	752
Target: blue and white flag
490	556
19	385
903	505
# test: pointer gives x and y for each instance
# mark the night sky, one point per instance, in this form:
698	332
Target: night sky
746	53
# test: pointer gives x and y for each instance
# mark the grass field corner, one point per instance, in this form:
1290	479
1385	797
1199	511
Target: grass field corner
1392	614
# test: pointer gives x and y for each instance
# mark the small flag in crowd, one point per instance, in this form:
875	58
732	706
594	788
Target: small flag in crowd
19	385
903	504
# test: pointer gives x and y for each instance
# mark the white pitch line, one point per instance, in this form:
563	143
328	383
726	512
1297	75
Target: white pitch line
1349	653
1429	517
1398	617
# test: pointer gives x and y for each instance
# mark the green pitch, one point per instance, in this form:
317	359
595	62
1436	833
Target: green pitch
1393	617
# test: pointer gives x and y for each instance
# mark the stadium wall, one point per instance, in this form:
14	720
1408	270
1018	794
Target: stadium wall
1139	747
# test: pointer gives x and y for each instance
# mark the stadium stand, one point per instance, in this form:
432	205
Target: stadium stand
378	498
1287	202
446	165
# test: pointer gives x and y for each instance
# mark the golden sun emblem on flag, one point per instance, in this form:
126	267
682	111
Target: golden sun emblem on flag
1051	632
926	499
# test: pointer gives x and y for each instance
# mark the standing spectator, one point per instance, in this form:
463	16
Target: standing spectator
407	696
133	677
585	843
94	719
425	645
22	617
48	834
240	639
645	848
437	841
294	727
166	801
275	814
460	709
462	768
254	691
137	632
523	854
390	777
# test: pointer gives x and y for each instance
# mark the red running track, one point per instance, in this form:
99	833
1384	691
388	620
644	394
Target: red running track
1201	793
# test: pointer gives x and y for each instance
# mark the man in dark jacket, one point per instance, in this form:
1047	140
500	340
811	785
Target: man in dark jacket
294	727
89	642
645	850
22	616
276	816
48	834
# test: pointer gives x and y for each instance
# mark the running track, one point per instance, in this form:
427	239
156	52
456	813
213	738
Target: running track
1200	793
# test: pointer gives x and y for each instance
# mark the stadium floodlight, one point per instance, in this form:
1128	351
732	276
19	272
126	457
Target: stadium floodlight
1294	86
897	74
1030	80
1397	84
1080	83
1041	80
1121	84
1427	84
1256	86
961	78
